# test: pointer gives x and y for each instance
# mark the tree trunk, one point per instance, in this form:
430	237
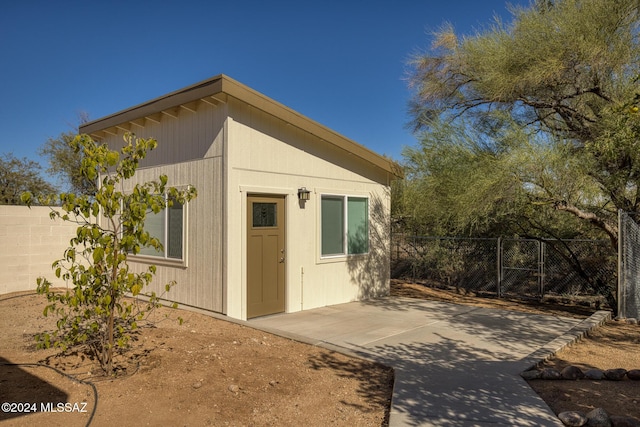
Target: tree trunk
611	231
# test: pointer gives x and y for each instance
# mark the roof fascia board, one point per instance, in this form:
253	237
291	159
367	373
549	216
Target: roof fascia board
223	84
183	96
274	108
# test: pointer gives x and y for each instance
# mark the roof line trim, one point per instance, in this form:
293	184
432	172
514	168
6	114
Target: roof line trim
222	84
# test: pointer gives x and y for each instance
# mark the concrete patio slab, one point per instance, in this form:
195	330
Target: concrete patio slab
455	365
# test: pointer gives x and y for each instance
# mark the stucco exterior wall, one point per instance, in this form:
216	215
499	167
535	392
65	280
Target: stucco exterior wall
31	242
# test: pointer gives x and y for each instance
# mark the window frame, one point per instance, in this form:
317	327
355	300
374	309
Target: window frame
345	198
164	258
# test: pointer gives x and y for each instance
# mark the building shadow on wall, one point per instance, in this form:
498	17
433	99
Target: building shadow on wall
370	272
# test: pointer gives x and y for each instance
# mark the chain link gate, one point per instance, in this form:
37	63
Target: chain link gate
521	267
628	266
529	268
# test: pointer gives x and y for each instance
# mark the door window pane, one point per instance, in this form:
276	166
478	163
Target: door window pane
265	215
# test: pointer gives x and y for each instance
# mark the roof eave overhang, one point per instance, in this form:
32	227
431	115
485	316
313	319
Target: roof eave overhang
215	91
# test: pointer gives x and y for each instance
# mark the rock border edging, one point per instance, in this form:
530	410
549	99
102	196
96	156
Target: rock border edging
574	334
598	416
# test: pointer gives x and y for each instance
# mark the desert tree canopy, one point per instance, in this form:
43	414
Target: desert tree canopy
551	97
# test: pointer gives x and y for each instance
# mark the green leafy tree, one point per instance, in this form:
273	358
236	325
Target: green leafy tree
566	71
461	183
96	312
65	162
20	175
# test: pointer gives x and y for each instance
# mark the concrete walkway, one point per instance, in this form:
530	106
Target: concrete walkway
455	365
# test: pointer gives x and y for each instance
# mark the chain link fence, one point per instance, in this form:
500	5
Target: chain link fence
629	265
509	267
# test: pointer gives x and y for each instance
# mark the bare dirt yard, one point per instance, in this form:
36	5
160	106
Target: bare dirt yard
212	372
203	372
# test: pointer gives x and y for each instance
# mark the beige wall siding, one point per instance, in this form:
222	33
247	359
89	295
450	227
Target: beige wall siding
31	242
233	150
258	143
265	155
199	280
189	152
187	136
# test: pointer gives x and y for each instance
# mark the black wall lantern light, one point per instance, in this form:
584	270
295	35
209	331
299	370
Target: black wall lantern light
304	194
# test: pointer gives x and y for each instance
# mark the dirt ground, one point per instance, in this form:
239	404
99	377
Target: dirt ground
211	372
203	372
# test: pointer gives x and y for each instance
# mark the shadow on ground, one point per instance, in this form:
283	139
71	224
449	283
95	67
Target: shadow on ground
452	382
373	388
20	385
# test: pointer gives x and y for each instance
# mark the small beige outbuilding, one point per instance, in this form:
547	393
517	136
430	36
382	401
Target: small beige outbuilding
290	215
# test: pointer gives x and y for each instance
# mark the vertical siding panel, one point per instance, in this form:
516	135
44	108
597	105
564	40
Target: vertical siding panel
200	284
197	231
189	152
190	136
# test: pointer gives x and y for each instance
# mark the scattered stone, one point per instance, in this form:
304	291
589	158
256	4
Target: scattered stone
196	385
633	374
598	418
631	321
273	383
572	373
572	418
615	374
533	374
233	388
620	421
594	374
550	374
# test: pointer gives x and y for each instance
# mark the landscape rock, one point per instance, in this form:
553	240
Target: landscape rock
598	418
620	421
615	374
233	388
572	418
594	374
534	374
572	373
550	374
633	374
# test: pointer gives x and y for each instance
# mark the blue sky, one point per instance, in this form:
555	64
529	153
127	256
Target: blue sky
342	63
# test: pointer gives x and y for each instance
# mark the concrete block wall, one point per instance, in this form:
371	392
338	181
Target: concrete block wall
30	241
